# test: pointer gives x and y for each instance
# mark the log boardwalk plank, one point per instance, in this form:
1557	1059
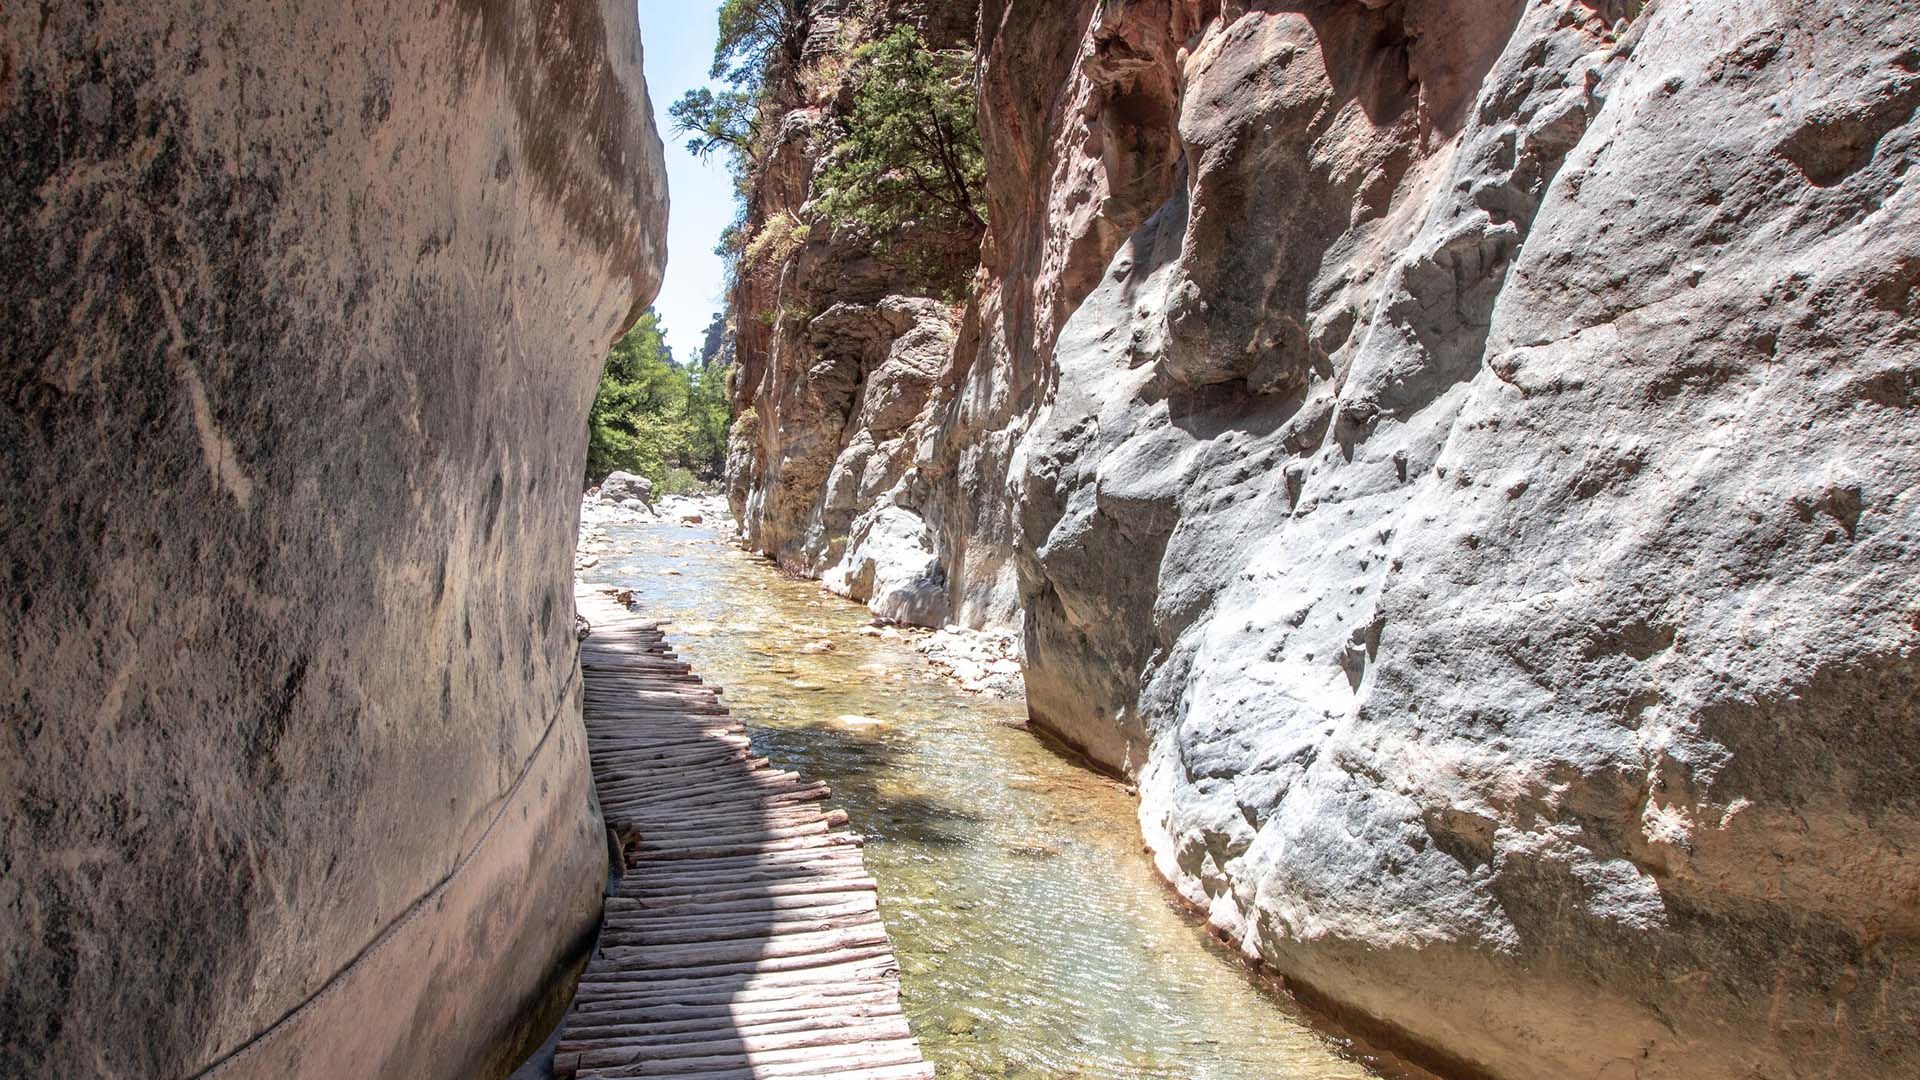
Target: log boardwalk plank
743	939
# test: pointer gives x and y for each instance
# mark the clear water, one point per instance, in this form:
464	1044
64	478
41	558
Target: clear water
1034	936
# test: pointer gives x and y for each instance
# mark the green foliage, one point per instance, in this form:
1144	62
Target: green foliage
728	119
757	38
775	243
652	416
757	34
747	424
910	163
679	481
709	416
732	248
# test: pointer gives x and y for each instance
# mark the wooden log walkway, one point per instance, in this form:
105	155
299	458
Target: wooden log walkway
743	939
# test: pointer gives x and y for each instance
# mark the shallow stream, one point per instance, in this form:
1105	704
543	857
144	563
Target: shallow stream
1035	939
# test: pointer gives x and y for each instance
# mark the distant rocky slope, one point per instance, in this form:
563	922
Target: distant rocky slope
304	313
1460	456
840	352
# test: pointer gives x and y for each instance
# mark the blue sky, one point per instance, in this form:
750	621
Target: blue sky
678	35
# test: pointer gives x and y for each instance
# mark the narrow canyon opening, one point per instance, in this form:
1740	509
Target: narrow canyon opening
1120	539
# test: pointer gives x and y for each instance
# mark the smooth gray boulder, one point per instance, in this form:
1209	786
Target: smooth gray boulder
619	488
890	566
305	308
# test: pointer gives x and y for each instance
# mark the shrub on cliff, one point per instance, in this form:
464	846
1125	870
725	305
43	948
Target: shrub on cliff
909	170
774	243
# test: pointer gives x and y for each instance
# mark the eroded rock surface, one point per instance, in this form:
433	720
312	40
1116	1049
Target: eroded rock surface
1506	429
1460	456
305	311
841	353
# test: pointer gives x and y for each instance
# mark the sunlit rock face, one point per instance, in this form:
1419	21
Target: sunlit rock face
304	312
1460	457
842	353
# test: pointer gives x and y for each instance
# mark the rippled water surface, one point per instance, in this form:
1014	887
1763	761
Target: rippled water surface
1035	939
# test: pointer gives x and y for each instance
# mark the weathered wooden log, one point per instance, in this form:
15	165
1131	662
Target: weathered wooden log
741	817
613	748
607	985
764	841
683	744
762	1062
766	1001
742	930
611	686
609	674
643	737
729	776
650	707
913	1071
661	846
713	954
880	1031
918	1070
615	988
749	811
735	829
641	1027
626	916
649	972
615	663
792	859
668	699
743	786
732	999
701	750
733	880
630	912
649	908
675	771
762	786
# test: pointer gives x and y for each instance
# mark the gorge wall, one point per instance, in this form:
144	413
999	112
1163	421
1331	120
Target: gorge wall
307	305
1460	458
840	351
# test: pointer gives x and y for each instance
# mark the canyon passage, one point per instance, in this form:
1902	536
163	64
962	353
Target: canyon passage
1261	538
1035	937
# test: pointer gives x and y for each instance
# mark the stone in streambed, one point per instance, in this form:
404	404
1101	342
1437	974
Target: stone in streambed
625	488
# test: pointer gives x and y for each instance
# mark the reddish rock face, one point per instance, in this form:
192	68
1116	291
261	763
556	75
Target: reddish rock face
305	312
841	354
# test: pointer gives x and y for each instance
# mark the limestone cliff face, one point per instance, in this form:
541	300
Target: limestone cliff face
1478	505
840	353
1460	457
304	312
